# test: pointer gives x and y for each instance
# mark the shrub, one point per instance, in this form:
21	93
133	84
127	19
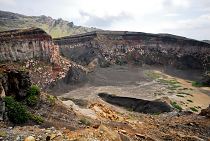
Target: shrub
199	84
85	121
32	100
175	105
34	90
17	112
51	99
36	118
193	109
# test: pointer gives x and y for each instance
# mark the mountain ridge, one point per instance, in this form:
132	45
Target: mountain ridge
54	27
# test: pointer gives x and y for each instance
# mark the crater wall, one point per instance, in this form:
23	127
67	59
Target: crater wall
119	47
21	45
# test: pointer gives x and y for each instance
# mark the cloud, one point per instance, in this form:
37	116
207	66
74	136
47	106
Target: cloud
7	2
171	15
176	3
104	21
197	27
182	17
202	21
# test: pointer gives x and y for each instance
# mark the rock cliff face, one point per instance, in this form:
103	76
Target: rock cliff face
21	45
14	82
112	47
33	50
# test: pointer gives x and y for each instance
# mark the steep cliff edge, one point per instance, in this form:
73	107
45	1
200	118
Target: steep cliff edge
116	47
33	50
22	45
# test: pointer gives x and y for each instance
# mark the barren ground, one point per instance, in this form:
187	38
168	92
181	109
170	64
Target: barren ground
143	83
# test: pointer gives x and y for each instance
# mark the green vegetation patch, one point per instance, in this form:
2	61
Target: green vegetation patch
170	82
152	74
85	121
37	119
175	105
3	133
17	112
199	84
33	90
51	99
193	109
32	100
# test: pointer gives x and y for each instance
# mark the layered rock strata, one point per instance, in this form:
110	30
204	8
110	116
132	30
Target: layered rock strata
33	43
113	47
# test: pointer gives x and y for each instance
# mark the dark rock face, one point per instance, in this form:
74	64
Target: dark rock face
137	105
135	47
206	80
14	82
75	75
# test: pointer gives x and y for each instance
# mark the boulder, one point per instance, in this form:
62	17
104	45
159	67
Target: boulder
205	112
30	138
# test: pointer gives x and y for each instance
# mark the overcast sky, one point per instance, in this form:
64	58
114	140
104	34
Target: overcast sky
190	18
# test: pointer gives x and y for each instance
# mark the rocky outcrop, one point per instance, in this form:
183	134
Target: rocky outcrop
137	105
137	48
206	80
205	112
75	74
15	83
12	83
33	50
22	45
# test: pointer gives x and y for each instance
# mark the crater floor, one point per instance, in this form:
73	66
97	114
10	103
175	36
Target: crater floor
148	83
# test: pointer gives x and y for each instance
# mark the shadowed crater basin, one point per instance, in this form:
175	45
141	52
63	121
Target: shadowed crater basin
137	105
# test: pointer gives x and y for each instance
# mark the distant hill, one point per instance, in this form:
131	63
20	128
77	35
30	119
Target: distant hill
54	27
207	41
